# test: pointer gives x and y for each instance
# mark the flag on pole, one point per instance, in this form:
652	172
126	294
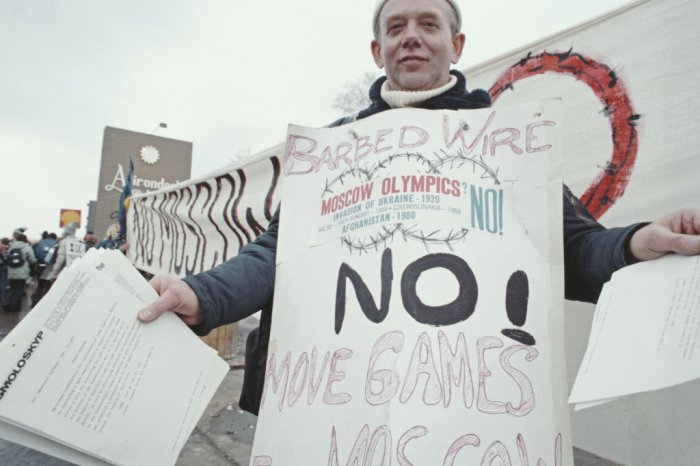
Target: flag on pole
125	200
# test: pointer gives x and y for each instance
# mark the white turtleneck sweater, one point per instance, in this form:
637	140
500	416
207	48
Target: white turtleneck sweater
400	99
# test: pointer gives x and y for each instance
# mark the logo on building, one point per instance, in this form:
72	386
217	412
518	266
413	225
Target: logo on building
149	154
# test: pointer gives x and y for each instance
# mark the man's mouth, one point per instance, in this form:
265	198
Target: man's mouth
412	59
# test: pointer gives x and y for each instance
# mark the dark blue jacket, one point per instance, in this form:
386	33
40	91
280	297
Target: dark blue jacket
42	247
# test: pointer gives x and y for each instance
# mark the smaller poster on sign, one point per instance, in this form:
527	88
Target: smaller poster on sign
69	216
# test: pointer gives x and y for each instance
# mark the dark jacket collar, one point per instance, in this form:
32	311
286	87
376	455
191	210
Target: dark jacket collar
456	98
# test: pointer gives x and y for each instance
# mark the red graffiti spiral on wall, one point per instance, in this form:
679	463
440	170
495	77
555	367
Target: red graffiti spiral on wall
610	183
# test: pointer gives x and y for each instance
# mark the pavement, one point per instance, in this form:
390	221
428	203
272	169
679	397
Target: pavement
224	434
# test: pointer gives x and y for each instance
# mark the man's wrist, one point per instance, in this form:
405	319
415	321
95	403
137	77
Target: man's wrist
628	256
199	329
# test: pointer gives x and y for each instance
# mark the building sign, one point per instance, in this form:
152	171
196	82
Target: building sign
69	216
158	163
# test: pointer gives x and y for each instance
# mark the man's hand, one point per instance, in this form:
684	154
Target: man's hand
175	296
678	232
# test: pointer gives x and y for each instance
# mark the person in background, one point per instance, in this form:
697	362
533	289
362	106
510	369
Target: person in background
42	251
18	232
90	241
19	257
114	240
69	249
4	247
111	239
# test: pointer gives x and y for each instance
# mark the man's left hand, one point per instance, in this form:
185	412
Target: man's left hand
678	232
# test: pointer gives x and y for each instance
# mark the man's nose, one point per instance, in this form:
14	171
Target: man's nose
412	37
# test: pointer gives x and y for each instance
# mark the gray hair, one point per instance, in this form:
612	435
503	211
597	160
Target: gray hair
455	20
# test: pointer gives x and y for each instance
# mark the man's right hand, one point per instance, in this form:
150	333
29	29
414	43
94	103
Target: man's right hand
175	296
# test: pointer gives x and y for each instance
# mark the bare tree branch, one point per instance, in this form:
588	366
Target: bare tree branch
355	95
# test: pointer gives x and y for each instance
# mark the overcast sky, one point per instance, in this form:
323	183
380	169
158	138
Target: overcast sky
226	75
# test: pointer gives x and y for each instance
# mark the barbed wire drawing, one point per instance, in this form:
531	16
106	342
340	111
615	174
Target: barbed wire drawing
432	166
387	234
440	161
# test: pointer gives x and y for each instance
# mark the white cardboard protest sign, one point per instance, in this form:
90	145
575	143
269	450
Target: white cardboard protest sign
419	293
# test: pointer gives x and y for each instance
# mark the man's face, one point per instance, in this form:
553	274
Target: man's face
416	44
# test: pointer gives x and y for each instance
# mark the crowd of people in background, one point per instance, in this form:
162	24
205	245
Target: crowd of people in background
29	268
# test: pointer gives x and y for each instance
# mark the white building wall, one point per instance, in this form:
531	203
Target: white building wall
652	47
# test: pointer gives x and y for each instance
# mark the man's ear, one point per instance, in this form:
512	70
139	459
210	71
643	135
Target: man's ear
377	54
458	41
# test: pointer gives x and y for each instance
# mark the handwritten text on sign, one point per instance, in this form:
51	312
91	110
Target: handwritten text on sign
422	336
356	200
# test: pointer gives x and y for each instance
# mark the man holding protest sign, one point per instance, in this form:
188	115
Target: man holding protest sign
415	42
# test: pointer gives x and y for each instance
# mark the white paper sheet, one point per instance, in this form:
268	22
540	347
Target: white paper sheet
84	373
645	333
